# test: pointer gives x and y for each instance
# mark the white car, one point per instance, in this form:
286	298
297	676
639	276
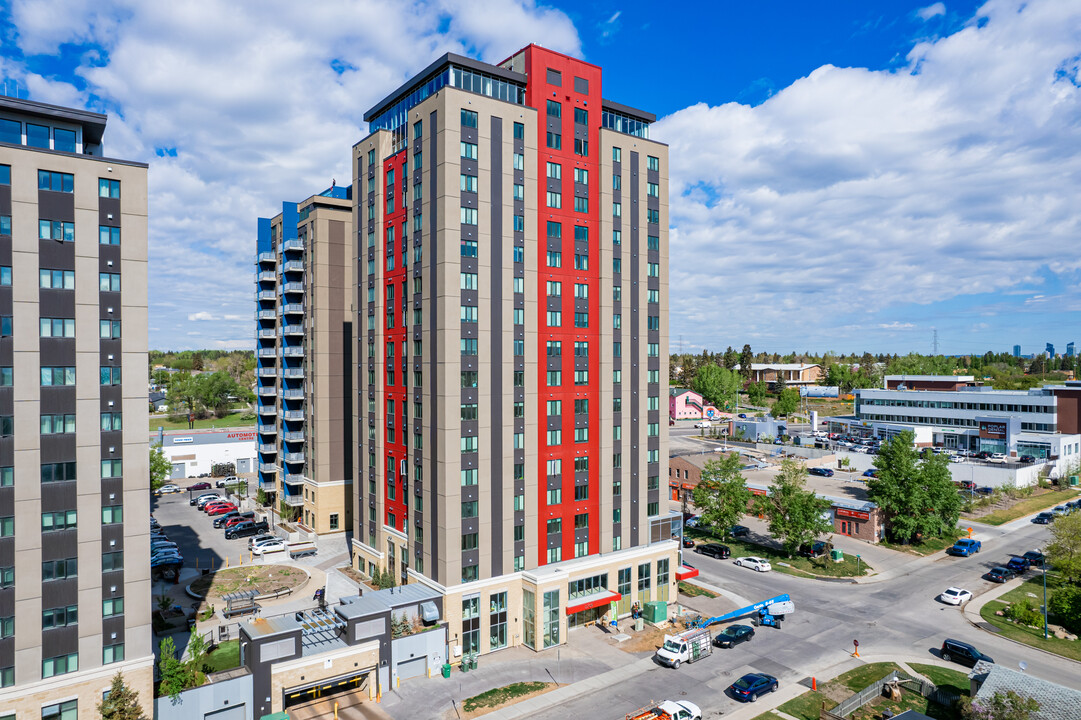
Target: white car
955	596
999	458
754	563
261	539
956	458
268	547
703	424
169	488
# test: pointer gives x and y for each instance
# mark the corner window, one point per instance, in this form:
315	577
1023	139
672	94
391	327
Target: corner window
108	188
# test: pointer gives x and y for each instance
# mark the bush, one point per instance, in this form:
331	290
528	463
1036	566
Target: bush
1023	613
1065	605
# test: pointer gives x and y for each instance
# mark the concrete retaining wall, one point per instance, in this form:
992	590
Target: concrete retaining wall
200	702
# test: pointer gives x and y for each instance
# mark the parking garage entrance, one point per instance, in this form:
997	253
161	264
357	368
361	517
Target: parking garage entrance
333	688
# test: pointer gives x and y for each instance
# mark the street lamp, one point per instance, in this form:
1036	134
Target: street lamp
1043	566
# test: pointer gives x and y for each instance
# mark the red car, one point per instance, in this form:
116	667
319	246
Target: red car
245	517
220	509
199	486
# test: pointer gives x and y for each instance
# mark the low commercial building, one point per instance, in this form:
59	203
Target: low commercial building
794	374
193	452
686	404
757	429
851	516
927	382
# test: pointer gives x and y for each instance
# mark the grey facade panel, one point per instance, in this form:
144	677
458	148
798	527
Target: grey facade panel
496	349
433	569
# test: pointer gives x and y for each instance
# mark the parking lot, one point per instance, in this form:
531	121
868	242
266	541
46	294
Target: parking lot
200	543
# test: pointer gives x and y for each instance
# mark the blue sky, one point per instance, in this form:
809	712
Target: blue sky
845	176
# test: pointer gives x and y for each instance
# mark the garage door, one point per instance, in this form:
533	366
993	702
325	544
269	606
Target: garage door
417	667
178	471
237	712
243	465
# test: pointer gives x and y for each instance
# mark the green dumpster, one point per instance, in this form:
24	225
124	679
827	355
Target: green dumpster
446	670
656	611
1073	480
837	555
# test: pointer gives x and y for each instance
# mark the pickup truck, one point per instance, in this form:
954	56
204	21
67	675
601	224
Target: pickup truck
964	547
668	710
687	646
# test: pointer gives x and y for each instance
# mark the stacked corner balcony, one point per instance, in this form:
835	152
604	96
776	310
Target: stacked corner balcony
293	353
266	367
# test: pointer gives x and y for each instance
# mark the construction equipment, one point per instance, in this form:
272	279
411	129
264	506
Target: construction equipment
687	646
769	612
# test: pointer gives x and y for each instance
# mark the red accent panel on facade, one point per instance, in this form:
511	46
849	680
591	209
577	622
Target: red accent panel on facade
609	597
395	339
683	572
843	512
539	91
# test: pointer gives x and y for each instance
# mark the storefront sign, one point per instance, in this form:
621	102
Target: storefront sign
855	514
992	430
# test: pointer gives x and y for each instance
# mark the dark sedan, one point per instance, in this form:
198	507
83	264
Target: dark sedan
687	542
751	685
715	550
1034	558
999	574
1044	518
199	486
739	531
1017	565
821	472
733	635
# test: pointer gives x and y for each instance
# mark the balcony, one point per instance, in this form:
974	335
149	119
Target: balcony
266	295
293	352
267	276
266	410
293	266
267	372
266	352
293	245
293	287
268	467
293	499
268	448
293	373
293	309
296	329
266	391
294	479
293	457
268	334
267	257
264	429
293	394
293	414
266	315
293	436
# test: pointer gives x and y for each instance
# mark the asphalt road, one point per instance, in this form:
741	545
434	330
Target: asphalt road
898	617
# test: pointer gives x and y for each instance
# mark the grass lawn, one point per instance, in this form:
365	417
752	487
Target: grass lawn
805	567
943	677
1033	585
235	419
807	705
768	716
858	678
224	657
1027	635
694	591
498	696
929	546
1040	500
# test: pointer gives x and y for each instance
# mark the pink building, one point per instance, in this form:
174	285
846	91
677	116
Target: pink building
688	405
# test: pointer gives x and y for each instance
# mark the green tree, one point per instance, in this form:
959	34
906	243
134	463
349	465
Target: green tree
161	378
716	385
780	384
183	394
174	676
122	702
787	403
160	467
1007	705
756	392
722	495
1065	605
916	494
1064	550
730	358
795	516
745	358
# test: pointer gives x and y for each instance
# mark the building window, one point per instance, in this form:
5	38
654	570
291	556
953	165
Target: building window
617	183
555	258
108	188
555	554
57	182
555	200
497	609
469	509
555	110
112	468
554	141
550	619
109	329
469	150
58	376
68	710
653	163
662	579
581	115
57	327
469	216
519	131
581	204
7	476
7	577
469	118
56	230
468	183
469	248
581	147
109	376
60	569
470	615
112	653
112	607
617	155
57	424
555	496
555	170
653	509
55	279
59	617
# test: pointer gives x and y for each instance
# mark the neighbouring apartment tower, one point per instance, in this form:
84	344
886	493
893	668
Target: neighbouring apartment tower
512	348
74	470
305	288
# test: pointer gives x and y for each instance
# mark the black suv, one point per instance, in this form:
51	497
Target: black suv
220	520
962	653
815	549
714	550
246	529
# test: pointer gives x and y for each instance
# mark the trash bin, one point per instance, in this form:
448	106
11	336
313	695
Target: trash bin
837	555
464	665
446	670
1073	480
473	663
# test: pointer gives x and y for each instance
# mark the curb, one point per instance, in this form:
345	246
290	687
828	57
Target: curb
969	616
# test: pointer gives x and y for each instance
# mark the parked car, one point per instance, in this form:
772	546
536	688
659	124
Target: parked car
269	547
815	549
715	550
688	543
1027	459
999	574
212	504
1034	558
964	547
751	685
985	490
739	531
246	529
754	563
199	486
1044	518
703	424
204	498
733	635
968	485
999	458
954	596
1017	565
265	537
821	471
1059	510
242	517
222	519
227	480
962	653
872	473
691	522
743	415
982	455
221	509
169	489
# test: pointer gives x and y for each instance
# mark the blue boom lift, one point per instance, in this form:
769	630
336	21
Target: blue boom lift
770	613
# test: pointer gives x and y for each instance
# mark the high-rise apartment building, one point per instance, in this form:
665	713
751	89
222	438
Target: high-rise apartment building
1049	349
1017	351
74	470
305	289
512	348
1069	349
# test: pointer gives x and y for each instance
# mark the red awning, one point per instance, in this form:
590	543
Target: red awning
683	572
593	601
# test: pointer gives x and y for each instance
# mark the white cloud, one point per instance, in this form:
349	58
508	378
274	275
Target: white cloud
853	191
931	11
249	104
896	326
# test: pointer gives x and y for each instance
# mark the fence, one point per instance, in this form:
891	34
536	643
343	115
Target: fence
929	690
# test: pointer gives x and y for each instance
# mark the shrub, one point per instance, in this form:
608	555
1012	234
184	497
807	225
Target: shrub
1065	605
1023	613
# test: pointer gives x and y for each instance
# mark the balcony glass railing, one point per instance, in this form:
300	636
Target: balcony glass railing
268	448
265	295
268	467
289	245
293	499
293	287
266	391
267	372
296	329
268	334
293	309
293	436
293	394
267	276
265	315
267	257
265	429
293	352
293	373
266	352
293	457
293	266
294	478
293	414
266	410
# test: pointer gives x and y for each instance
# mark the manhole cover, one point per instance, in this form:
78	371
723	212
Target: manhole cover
988	627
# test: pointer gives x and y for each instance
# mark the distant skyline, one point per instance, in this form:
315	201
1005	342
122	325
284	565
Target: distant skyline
845	177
